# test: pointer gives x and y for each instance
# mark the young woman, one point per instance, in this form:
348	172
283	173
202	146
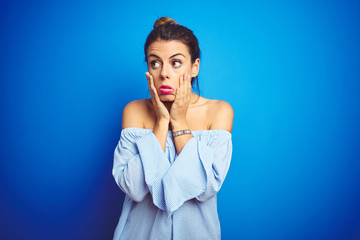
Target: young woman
175	148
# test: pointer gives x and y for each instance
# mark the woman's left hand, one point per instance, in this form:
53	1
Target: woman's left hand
182	100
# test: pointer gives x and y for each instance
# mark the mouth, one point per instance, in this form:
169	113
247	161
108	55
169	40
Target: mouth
166	89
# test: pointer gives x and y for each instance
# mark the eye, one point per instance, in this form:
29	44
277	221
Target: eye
176	63
155	64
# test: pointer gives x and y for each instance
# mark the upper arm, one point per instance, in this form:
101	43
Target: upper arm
132	115
222	115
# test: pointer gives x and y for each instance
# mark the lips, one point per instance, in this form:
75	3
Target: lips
166	89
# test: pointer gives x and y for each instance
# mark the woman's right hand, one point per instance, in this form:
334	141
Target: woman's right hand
161	111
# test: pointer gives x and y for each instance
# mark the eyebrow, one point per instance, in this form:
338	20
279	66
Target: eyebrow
176	54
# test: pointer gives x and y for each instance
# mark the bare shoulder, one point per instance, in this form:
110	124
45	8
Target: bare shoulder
134	113
221	114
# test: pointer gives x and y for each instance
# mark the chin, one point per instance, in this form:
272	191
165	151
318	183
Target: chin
167	98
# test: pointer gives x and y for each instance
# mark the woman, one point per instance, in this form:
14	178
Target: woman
175	148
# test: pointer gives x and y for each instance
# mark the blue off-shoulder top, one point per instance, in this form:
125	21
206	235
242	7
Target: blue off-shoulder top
170	196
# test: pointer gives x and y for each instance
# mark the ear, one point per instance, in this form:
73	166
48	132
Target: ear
195	68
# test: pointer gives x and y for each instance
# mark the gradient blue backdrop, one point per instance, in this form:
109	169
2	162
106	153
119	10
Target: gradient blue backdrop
290	69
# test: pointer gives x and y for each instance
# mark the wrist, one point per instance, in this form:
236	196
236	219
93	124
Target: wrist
162	122
160	131
182	132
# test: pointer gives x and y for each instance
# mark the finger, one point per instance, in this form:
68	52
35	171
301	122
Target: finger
189	81
185	81
154	95
188	87
182	87
148	76
148	80
177	93
185	87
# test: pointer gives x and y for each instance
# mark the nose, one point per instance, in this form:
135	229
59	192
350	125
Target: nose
164	72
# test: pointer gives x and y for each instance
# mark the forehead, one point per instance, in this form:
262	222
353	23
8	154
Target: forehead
166	49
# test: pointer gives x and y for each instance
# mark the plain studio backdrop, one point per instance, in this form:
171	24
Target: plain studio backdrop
290	70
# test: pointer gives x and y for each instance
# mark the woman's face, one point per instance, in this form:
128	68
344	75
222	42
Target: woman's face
167	62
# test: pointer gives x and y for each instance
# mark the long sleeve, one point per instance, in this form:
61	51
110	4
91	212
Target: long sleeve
141	166
158	184
136	167
199	170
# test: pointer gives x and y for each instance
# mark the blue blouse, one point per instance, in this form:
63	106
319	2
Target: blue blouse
170	196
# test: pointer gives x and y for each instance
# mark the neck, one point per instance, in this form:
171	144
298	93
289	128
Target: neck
168	105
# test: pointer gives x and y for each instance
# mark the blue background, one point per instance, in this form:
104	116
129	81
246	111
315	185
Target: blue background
290	70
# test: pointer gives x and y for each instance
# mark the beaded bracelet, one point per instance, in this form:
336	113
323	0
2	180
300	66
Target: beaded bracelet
182	132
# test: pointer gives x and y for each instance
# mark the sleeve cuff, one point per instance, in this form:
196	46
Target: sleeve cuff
155	165
186	178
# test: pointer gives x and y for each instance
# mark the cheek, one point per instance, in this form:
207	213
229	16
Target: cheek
153	72
156	77
157	84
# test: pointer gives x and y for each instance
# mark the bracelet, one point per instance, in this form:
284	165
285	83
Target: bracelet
182	132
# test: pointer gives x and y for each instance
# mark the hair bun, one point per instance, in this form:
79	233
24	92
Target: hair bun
164	20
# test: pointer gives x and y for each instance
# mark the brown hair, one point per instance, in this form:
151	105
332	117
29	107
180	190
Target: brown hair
164	20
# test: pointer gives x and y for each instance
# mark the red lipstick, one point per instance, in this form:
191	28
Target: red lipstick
166	89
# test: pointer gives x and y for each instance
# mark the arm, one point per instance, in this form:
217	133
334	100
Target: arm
178	112
127	168
162	114
199	171
138	157
139	164
200	168
128	171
